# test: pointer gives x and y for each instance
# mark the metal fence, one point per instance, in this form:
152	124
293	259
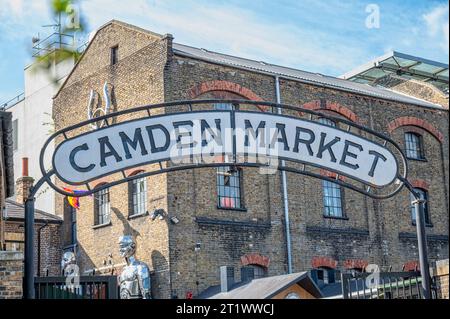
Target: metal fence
390	285
89	287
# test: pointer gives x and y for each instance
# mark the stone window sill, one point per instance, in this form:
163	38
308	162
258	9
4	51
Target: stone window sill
426	225
416	159
335	217
102	225
232	208
137	215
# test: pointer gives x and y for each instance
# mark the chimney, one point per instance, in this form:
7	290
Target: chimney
226	278
247	274
24	183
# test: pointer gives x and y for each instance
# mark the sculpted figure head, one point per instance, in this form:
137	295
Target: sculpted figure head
68	259
127	246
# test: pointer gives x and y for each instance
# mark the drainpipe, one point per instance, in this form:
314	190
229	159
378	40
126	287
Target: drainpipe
284	185
39	248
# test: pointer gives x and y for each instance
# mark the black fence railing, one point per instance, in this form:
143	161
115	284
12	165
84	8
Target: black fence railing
89	287
390	285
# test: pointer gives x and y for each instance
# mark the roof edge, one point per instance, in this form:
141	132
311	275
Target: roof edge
419	103
113	21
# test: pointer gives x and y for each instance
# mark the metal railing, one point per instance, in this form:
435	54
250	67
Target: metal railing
391	285
52	42
89	287
13	101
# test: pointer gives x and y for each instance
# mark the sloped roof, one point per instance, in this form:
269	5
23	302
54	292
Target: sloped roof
264	288
16	212
298	75
275	70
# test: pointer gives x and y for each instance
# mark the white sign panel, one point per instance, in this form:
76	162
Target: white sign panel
316	144
111	149
197	137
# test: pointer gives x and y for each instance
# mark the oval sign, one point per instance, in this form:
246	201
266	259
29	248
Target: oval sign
201	136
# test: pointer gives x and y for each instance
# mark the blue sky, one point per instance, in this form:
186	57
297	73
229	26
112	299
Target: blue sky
328	36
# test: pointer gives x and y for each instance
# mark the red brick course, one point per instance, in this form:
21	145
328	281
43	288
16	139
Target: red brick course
420	183
317	262
255	259
334	107
226	86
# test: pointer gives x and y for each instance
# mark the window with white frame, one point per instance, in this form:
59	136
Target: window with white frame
414	146
138	194
102	207
229	188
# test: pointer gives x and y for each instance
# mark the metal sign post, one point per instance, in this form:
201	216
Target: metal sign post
419	205
373	164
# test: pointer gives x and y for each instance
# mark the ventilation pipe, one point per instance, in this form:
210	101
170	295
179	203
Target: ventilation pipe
284	186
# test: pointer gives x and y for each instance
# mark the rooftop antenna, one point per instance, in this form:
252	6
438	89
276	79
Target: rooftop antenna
43	46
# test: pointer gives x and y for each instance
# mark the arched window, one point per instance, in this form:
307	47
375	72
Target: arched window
259	271
332	199
102	214
323	275
328	122
414	146
423	195
332	193
224	106
138	196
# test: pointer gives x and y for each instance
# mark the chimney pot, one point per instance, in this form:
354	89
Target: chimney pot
24	183
24	166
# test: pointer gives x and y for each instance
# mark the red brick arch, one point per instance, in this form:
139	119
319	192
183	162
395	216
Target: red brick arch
412	265
414	121
330	174
356	264
99	182
420	183
255	259
227	86
133	171
328	262
332	106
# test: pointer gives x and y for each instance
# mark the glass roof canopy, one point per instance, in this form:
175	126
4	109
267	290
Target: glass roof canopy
404	66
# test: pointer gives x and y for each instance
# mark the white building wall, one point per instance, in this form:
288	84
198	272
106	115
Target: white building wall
35	125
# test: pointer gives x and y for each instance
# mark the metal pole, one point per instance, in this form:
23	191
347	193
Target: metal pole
422	245
28	276
285	192
28	280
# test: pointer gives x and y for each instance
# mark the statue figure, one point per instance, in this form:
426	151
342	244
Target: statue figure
67	263
134	281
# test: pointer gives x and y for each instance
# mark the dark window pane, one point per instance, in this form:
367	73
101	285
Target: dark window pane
228	187
223	106
423	195
114	55
413	146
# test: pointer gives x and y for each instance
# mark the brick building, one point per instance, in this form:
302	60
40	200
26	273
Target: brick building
200	228
47	229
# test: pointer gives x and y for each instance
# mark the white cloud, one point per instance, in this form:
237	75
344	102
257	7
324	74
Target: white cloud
231	29
437	24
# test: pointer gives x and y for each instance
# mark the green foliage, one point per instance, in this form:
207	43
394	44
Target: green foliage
71	22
